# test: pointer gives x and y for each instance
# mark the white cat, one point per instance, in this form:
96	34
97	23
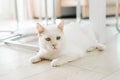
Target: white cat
62	44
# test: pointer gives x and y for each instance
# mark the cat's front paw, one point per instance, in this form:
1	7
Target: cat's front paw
55	63
34	60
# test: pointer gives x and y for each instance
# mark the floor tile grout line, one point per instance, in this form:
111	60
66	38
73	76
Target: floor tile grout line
94	70
36	74
81	67
110	74
54	68
104	77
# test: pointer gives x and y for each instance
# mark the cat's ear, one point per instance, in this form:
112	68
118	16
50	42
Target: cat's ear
40	28
61	25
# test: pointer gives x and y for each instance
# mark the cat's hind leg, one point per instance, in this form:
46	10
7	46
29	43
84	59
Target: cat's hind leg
100	47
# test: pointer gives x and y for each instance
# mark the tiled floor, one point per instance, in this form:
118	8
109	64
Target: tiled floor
14	64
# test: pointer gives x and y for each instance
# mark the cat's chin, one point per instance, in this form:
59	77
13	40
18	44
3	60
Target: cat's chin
53	49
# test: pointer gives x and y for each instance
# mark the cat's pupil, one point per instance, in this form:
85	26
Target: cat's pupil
47	39
58	37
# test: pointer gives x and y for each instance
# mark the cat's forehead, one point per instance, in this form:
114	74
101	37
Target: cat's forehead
51	31
50	27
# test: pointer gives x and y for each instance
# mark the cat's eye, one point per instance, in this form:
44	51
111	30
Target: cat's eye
58	37
47	39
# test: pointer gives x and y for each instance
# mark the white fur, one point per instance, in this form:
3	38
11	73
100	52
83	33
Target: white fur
75	41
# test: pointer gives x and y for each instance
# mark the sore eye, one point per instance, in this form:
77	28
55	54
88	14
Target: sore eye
47	39
58	37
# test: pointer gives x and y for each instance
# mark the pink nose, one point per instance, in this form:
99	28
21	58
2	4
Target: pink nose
54	45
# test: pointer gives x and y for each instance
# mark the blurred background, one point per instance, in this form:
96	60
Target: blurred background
34	9
28	10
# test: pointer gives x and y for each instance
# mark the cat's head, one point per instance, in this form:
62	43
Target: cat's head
50	37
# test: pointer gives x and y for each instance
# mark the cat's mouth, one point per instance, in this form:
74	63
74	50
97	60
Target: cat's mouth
54	47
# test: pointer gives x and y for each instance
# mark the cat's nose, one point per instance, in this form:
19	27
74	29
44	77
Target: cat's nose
54	45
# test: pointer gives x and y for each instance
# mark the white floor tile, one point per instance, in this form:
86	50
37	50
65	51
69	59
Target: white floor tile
25	70
15	65
114	76
67	73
